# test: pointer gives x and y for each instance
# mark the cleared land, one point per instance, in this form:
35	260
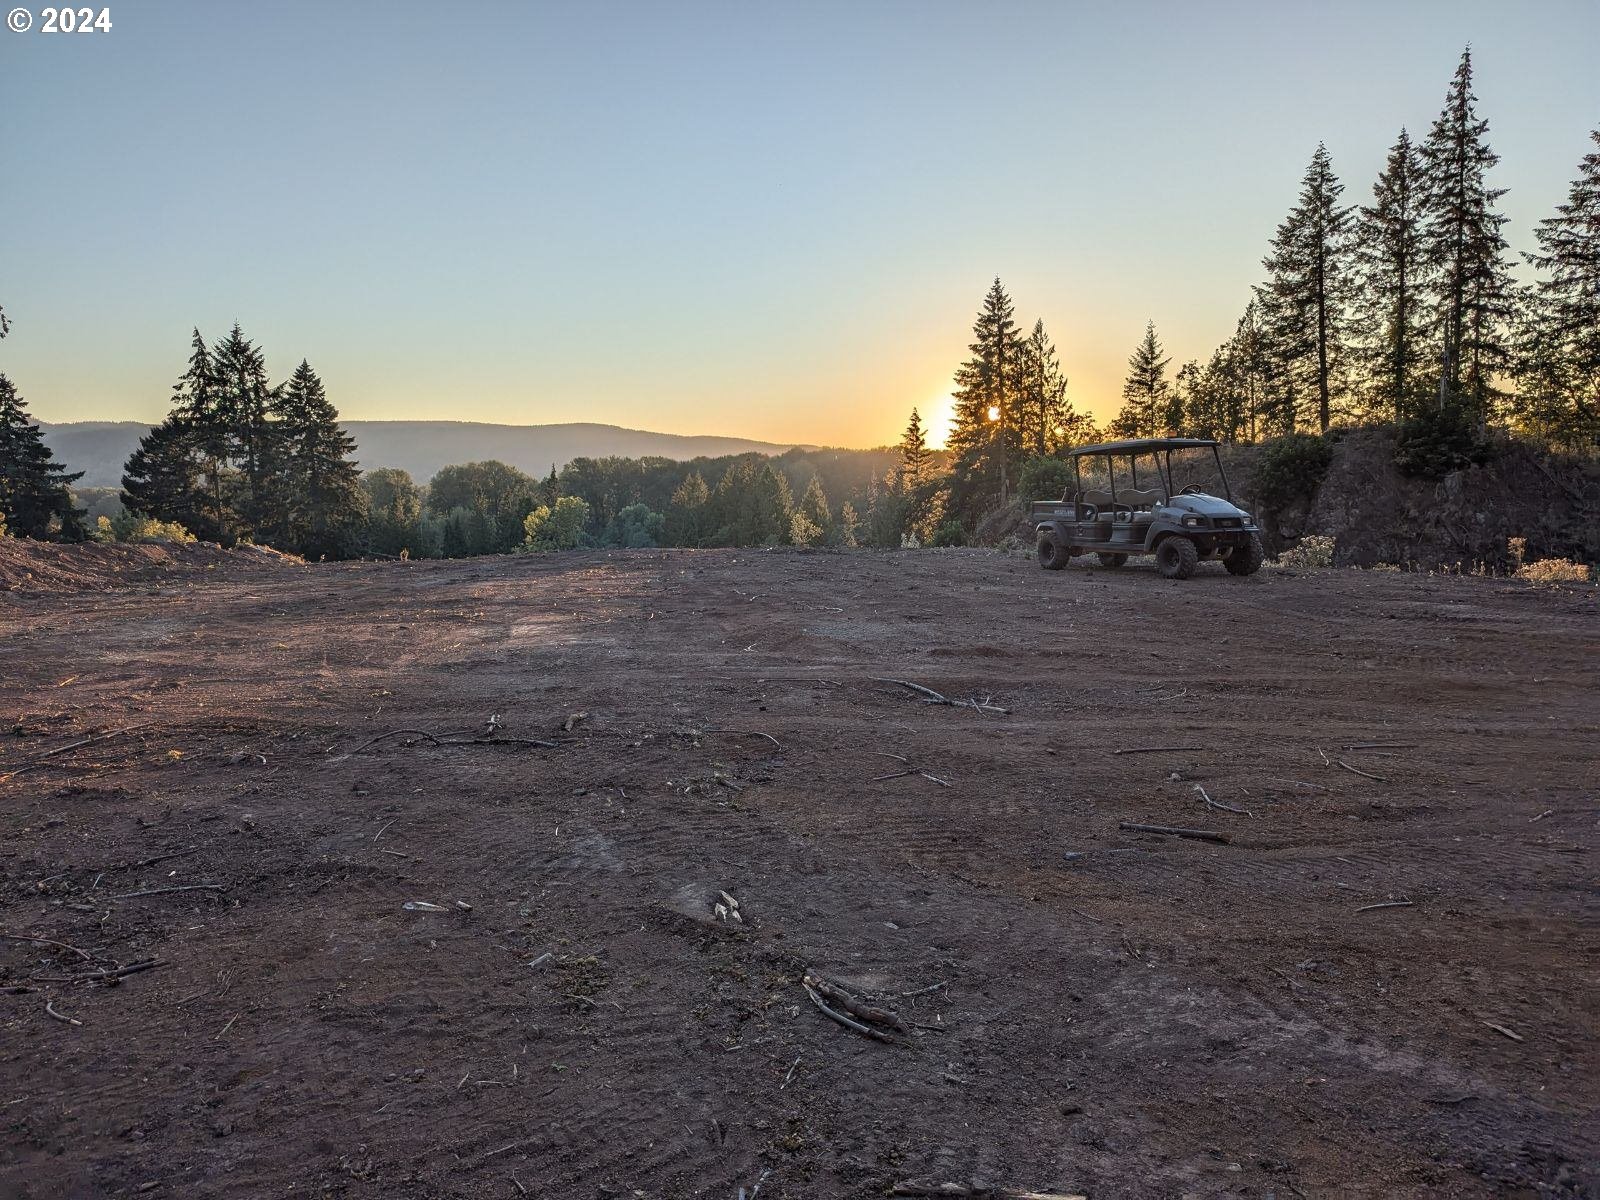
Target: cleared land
1382	985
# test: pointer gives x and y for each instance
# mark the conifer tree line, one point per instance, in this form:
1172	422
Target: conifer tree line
35	491
241	459
1403	309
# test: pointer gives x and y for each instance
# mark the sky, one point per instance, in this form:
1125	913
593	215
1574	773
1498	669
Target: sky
773	221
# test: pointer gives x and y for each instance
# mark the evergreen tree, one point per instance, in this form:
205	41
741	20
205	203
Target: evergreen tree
1146	392
982	439
165	480
1559	363
240	404
687	518
1181	407
1388	326
320	503
812	521
1463	246
394	512
35	490
913	452
1041	395
1304	297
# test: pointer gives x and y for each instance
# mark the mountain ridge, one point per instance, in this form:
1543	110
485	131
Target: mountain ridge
100	448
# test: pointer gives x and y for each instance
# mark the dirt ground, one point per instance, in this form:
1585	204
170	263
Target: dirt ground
1121	1014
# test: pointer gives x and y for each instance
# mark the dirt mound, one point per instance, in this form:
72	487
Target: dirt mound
1379	515
29	566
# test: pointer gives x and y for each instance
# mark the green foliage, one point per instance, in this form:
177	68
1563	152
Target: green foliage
35	491
951	533
560	527
1439	441
394	512
131	527
1045	478
1289	469
634	528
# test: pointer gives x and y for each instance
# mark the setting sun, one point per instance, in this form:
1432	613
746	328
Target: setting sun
938	418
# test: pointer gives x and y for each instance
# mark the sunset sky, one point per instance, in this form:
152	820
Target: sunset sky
768	220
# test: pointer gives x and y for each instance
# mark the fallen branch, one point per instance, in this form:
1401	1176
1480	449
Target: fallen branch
1363	774
976	1191
747	733
929	696
1381	746
43	941
1210	803
99	737
49	1007
854	1006
1156	749
187	887
848	1022
1387	904
105	976
421	733
1201	835
1515	1037
498	741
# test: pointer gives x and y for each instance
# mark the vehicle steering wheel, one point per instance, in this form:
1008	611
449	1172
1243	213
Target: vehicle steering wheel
1192	489
1088	512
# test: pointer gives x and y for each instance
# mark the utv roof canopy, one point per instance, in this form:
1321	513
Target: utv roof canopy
1141	446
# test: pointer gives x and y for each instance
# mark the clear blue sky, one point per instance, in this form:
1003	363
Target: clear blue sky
771	220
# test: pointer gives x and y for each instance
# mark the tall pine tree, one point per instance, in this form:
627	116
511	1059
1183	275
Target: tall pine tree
1305	293
320	499
1559	363
241	404
1464	247
913	452
1041	394
985	446
35	490
1389	325
1146	391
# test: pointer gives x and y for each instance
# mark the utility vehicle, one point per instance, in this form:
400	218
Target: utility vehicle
1180	523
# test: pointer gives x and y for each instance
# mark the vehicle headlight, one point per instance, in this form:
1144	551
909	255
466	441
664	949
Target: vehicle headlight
1192	521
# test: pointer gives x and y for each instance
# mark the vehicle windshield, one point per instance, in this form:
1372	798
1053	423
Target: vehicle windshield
1196	467
1142	479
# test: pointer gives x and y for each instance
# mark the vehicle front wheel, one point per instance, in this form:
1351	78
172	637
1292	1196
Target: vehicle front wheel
1110	560
1052	555
1245	559
1176	558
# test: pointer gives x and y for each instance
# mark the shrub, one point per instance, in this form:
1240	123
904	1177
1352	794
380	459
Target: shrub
1315	552
1436	443
949	534
633	528
131	527
1290	468
1044	478
558	528
1554	570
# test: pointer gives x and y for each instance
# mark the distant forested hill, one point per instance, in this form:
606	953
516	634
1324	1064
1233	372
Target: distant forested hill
99	448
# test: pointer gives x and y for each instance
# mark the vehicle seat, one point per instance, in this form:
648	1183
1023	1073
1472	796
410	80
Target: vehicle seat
1140	499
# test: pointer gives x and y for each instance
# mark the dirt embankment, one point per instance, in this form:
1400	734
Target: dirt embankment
29	566
1379	515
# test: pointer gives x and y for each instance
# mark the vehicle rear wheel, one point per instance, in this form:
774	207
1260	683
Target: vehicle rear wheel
1176	558
1110	560
1245	559
1052	555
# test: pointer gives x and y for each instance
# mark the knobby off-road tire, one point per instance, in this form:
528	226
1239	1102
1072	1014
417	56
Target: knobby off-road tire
1246	559
1109	560
1176	558
1052	557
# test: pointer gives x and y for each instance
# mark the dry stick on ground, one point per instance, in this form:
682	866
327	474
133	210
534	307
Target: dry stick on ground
1218	805
747	733
43	941
99	737
1387	904
929	696
1381	746
1515	1037
1300	783
439	741
1156	749
49	1007
187	887
1202	835
1364	774
848	1022
923	991
1546	813
854	1006
148	964
915	1187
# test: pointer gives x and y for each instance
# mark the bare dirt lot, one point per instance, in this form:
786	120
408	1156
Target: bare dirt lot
1122	1014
